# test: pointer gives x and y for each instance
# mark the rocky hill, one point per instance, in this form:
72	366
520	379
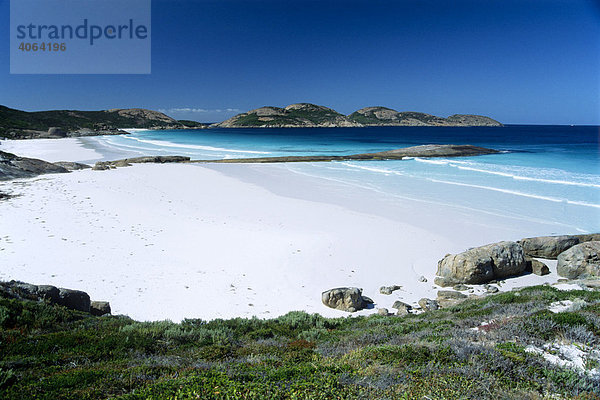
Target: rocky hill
17	124
383	116
301	115
307	115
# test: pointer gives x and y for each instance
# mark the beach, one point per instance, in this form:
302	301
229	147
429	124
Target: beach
177	241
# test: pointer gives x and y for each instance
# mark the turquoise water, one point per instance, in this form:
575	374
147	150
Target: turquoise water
545	173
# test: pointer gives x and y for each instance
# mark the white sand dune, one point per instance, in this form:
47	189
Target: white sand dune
191	241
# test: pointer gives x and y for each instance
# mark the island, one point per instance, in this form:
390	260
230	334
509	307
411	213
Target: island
306	115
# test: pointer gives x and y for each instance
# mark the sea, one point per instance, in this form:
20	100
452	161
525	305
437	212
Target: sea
547	174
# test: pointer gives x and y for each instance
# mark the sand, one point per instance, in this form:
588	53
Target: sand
219	241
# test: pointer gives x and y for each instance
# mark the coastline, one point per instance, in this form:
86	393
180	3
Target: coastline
229	240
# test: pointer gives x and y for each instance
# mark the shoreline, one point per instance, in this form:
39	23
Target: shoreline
228	240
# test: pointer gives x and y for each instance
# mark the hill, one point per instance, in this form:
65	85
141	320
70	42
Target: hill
16	124
383	116
307	115
303	115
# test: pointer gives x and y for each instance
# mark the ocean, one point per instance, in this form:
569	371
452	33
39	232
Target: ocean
545	173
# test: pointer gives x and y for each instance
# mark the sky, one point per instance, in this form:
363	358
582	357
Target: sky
520	62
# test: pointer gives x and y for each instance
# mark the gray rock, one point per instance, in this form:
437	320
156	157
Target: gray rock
74	299
13	167
71	166
422	279
481	264
492	289
56	132
580	261
383	311
537	267
348	299
428	304
402	308
449	298
547	246
389	289
460	287
99	308
48	292
101	166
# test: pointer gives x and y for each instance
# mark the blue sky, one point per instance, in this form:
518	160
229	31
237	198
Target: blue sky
525	61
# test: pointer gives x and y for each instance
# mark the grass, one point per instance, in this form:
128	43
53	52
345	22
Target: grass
49	352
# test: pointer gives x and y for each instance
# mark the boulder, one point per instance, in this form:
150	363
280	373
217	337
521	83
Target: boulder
348	299
48	292
56	132
99	308
460	287
387	290
491	289
383	311
428	304
449	298
422	279
74	299
580	261
548	246
402	308
537	267
481	264
101	166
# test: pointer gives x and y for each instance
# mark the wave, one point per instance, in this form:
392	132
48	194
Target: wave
372	169
162	143
517	193
469	166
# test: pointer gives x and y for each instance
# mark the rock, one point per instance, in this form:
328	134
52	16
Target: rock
48	292
449	298
580	261
13	167
460	287
428	304
120	163
481	264
491	289
537	267
56	132
389	289
100	166
547	246
74	299
71	166
422	279
590	284
450	294
348	299
383	311
99	308
402	308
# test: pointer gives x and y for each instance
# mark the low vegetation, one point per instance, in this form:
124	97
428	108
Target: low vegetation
49	352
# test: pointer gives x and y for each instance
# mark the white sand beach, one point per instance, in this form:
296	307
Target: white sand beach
178	241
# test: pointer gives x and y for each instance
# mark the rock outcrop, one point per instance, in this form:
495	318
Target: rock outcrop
551	246
69	298
71	166
427	150
481	264
349	299
13	167
387	290
104	165
580	261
